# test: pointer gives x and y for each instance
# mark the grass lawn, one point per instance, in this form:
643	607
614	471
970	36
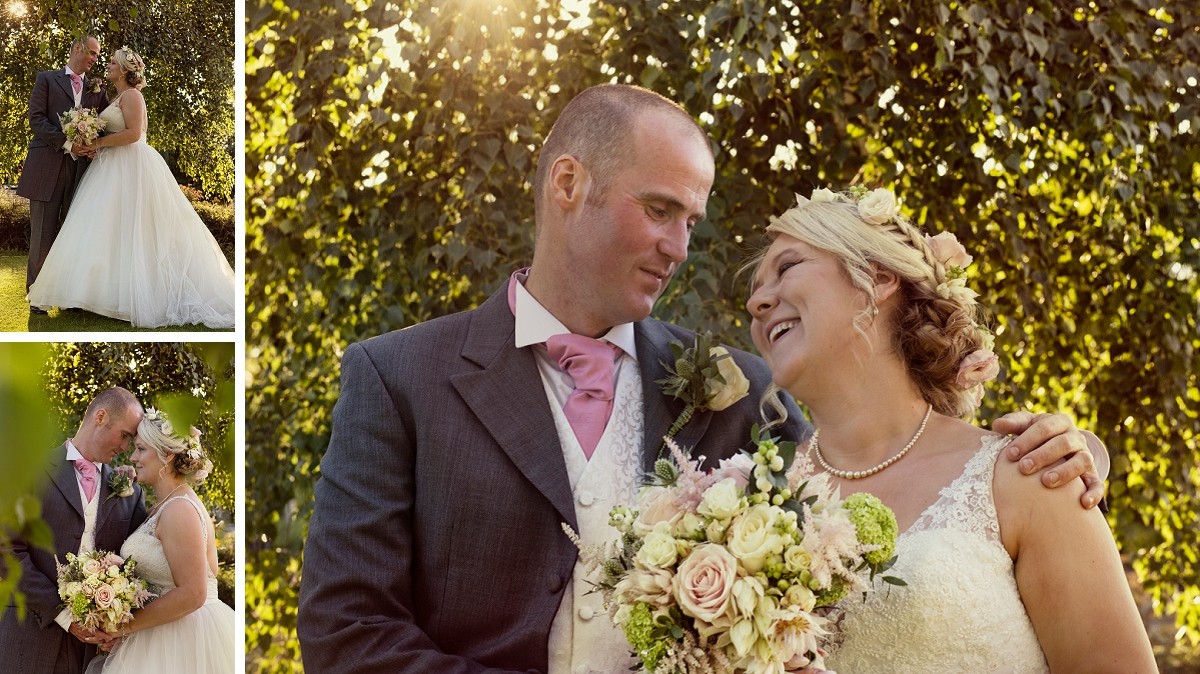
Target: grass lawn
15	316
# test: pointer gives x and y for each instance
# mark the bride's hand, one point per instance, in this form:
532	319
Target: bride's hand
107	640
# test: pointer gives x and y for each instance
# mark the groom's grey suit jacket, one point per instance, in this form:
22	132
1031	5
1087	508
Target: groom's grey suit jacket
51	97
39	645
436	542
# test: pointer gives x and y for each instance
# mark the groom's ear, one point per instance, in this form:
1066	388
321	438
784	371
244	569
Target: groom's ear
568	182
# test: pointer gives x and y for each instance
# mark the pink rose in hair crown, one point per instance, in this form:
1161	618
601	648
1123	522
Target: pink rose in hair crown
978	367
947	250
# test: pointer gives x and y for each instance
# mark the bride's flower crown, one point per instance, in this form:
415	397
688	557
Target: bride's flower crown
191	461
131	61
945	256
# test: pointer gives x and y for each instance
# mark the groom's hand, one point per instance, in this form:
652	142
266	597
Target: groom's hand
1050	443
82	150
85	635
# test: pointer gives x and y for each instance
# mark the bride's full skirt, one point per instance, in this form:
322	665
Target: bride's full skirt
201	642
133	248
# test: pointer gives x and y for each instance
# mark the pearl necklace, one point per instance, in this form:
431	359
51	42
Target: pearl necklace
859	474
167	497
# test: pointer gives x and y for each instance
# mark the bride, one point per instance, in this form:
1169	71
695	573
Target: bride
870	323
133	248
187	629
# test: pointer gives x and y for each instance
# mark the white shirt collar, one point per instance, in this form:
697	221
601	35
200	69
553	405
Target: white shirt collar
535	324
71	72
73	454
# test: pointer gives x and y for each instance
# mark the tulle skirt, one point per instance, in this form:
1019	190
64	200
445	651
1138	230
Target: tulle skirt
133	248
201	642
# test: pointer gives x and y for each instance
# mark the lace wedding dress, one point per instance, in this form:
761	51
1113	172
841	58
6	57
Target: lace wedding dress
201	642
133	248
960	611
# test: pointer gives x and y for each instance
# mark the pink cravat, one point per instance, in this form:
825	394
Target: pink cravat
590	363
76	82
87	477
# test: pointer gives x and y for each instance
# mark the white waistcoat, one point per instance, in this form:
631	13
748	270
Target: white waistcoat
583	638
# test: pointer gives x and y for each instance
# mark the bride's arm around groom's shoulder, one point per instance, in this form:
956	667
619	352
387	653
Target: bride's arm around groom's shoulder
1070	577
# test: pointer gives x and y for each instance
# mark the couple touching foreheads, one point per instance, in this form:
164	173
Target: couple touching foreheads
186	628
110	230
436	543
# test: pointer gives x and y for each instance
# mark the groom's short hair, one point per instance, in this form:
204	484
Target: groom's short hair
82	41
116	401
595	127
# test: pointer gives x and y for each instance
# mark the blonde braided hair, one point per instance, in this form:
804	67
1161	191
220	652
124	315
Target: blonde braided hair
939	329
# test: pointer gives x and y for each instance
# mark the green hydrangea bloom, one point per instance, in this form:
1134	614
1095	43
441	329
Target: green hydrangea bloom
639	630
837	591
875	523
79	605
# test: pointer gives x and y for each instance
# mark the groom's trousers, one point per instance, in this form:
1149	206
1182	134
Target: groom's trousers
46	218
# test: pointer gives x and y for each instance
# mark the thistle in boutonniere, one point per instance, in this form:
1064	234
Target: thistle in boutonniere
95	85
704	377
122	481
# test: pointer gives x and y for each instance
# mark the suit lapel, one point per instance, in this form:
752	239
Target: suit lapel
105	505
507	396
62	473
65	82
653	345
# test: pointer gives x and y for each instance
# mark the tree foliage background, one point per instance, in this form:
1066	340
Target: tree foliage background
188	48
394	145
46	388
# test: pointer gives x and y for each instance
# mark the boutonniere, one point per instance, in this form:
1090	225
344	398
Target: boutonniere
95	85
121	482
704	377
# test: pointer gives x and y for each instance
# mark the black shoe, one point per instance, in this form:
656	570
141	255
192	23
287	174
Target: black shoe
37	310
74	310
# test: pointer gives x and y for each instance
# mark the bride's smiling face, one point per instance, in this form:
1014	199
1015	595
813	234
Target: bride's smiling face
803	309
114	70
145	460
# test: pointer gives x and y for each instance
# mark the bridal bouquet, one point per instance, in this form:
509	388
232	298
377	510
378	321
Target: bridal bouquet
101	589
81	125
736	569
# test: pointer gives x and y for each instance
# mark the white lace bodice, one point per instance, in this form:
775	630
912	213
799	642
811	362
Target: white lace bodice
145	548
114	119
961	610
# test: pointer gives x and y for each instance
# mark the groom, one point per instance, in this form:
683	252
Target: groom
435	543
84	514
54	165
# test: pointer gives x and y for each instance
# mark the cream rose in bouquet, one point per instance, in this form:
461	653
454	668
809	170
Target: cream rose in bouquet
101	589
737	569
81	125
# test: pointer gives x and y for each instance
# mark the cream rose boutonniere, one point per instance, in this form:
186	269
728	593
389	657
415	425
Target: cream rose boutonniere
705	377
122	481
